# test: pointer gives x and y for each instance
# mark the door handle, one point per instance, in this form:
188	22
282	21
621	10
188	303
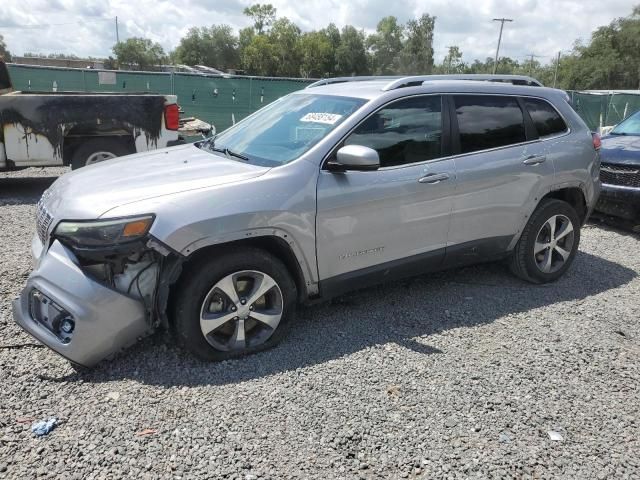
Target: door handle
432	178
534	160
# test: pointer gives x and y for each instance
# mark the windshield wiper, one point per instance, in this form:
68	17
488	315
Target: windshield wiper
210	143
231	153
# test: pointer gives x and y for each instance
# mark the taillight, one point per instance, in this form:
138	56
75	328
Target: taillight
597	142
172	117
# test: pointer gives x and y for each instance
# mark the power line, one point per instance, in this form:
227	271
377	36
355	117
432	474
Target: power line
501	20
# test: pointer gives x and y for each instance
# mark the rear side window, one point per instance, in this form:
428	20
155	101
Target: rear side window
488	122
406	131
546	119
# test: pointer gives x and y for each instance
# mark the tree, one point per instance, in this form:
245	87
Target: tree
260	56
417	53
453	61
333	35
4	52
262	15
140	52
317	54
386	45
214	46
351	56
285	39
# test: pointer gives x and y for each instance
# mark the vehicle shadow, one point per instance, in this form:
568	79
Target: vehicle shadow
23	190
405	313
615	224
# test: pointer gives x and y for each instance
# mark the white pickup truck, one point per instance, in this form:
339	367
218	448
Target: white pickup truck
41	129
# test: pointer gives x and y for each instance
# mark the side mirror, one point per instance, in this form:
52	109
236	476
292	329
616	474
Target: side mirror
355	157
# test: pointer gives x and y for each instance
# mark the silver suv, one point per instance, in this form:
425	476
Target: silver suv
332	188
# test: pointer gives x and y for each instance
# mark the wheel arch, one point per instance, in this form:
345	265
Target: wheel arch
572	194
78	135
275	245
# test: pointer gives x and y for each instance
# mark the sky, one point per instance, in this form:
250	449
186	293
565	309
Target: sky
87	27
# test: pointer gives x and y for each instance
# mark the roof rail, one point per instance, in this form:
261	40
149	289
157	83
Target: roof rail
420	79
329	81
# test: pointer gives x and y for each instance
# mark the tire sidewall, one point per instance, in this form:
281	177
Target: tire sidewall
556	207
203	275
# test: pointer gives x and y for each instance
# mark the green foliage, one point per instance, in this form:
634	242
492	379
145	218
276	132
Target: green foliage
4	52
351	55
140	52
262	15
215	46
385	46
417	53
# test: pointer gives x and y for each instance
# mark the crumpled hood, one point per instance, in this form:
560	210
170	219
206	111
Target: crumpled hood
621	149
92	191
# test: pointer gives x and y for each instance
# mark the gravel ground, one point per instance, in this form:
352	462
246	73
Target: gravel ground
454	375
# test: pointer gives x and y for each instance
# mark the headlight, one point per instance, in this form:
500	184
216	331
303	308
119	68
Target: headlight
100	233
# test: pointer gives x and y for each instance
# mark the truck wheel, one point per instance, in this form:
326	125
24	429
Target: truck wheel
548	244
97	150
238	302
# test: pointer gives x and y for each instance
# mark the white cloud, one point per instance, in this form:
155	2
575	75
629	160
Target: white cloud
87	27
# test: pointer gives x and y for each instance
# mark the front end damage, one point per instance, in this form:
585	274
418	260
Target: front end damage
88	304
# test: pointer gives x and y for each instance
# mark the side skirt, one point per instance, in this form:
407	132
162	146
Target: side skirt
478	251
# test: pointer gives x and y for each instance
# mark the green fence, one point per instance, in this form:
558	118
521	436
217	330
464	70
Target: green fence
601	109
221	100
214	99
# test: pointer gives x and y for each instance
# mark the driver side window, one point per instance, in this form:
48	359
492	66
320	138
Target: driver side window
406	131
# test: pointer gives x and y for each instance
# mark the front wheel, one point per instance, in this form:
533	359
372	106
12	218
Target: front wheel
238	302
548	244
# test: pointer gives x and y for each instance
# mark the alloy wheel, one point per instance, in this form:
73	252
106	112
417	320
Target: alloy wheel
554	244
98	157
241	311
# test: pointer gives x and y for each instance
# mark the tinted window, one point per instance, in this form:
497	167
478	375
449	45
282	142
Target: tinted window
547	121
407	131
488	122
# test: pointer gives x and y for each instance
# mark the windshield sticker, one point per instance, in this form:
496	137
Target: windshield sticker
328	118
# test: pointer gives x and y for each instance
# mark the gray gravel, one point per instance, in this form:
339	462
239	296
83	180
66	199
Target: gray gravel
459	374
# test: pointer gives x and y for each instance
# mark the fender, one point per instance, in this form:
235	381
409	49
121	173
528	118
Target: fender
307	266
545	192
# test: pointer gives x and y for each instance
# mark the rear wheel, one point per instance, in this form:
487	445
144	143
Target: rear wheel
238	302
97	150
548	244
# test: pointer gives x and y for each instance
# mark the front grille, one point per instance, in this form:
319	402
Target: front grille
623	175
43	221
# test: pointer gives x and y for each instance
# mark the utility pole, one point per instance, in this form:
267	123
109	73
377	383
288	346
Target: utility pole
555	74
501	20
531	63
449	47
117	32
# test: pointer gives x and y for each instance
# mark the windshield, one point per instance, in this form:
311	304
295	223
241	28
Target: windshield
631	126
285	129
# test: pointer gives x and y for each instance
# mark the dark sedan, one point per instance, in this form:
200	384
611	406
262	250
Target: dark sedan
620	170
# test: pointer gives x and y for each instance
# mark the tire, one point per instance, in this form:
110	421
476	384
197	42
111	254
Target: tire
539	267
199	295
94	147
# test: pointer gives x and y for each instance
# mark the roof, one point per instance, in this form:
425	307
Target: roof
374	88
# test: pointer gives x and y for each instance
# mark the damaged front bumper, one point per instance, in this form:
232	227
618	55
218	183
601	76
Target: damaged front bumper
80	318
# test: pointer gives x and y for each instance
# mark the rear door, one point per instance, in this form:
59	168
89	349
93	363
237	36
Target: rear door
372	225
501	171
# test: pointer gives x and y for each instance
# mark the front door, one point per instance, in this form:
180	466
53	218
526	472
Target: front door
394	220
